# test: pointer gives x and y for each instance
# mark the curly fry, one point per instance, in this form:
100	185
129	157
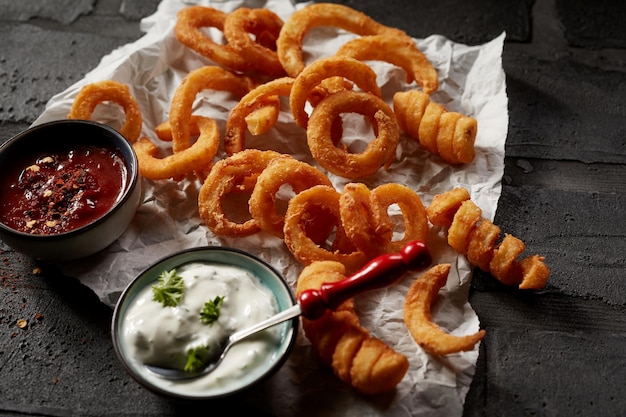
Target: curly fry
357	358
477	237
450	135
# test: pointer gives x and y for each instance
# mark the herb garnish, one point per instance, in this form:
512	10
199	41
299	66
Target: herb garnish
197	358
169	290
211	311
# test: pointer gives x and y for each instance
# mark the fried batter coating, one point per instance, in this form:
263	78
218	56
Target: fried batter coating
465	219
303	244
290	41
366	220
398	50
482	241
477	237
282	171
443	207
417	316
356	357
232	174
91	95
504	265
198	157
450	135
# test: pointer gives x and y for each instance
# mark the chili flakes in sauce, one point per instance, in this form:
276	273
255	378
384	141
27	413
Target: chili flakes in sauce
62	190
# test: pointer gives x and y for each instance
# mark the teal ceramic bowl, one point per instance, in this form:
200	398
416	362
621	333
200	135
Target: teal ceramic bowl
282	342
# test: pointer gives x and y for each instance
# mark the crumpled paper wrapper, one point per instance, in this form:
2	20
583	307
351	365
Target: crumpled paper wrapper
472	82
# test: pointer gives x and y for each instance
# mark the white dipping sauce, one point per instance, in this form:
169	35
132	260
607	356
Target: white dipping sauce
159	335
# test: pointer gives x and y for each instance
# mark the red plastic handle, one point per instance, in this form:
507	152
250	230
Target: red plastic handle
380	272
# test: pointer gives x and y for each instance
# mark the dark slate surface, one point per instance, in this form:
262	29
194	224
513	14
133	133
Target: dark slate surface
556	352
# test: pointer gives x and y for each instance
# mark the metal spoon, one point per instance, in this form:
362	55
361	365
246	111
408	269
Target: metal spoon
312	304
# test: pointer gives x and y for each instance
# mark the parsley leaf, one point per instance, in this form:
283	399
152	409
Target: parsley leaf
197	358
211	310
169	291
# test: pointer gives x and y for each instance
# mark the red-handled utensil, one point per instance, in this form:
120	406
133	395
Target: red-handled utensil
312	304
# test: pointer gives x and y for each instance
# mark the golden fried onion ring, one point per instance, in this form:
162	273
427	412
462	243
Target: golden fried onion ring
365	217
99	92
281	171
259	22
260	96
297	26
303	247
358	221
198	157
232	174
181	107
417	316
411	207
398	50
329	69
188	31
379	152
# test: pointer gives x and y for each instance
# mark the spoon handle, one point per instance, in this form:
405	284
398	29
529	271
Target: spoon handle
380	272
291	312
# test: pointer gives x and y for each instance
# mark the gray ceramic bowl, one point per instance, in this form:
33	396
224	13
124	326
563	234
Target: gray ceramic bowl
284	334
98	233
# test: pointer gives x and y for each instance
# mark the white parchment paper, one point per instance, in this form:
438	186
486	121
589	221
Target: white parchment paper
472	82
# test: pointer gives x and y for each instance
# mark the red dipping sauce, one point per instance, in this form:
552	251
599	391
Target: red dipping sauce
62	190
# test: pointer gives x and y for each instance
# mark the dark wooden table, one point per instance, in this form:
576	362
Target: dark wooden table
556	352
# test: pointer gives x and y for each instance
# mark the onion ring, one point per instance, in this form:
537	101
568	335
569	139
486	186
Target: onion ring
198	157
279	172
237	26
290	42
366	220
329	69
398	50
413	213
300	244
417	316
235	135
96	93
229	175
379	152
203	78
164	130
357	217
190	21
262	119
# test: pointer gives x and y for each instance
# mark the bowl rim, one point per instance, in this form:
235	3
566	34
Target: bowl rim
286	345
133	169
